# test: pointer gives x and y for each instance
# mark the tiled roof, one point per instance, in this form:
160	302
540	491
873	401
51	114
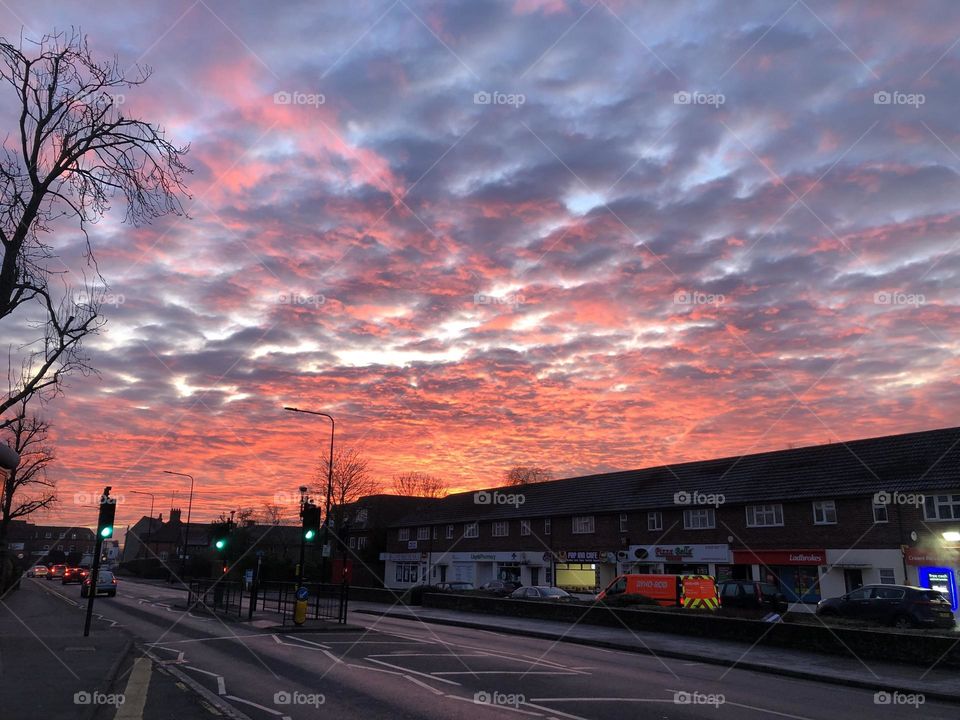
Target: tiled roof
921	461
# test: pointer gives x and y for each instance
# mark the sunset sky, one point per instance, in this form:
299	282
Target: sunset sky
583	235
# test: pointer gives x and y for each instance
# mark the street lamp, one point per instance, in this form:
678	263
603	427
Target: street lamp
186	534
150	526
326	511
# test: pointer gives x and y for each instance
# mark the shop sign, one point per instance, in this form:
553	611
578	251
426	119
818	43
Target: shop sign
780	557
680	553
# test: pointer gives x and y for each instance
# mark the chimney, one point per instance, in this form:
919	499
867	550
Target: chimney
174	515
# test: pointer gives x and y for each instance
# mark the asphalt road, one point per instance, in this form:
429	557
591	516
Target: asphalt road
402	669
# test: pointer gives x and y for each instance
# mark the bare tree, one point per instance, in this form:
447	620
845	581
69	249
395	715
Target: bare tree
526	474
73	150
28	488
419	484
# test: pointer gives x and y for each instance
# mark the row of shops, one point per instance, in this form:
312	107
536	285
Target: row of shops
803	574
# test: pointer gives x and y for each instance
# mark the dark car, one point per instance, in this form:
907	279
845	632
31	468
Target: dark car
74	575
751	595
500	588
898	605
454	587
541	592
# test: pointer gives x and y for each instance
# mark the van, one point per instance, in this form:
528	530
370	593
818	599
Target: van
690	591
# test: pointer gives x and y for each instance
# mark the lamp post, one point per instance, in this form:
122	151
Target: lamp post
150	526
186	534
326	510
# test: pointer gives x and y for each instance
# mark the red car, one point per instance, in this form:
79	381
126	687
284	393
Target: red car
74	575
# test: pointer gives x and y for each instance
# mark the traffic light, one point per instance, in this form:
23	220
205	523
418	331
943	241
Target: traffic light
311	522
108	511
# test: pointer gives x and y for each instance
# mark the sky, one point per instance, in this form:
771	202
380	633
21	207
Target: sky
581	235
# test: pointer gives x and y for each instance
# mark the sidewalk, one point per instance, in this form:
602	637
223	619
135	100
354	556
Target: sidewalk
47	667
940	684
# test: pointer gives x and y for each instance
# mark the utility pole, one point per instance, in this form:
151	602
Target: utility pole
108	511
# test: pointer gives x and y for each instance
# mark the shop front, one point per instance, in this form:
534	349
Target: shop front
583	571
797	572
674	559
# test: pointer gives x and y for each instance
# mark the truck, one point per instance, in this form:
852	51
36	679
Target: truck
687	591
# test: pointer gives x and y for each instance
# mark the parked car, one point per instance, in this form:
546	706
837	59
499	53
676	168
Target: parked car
74	575
500	588
56	572
541	592
751	595
898	605
455	587
106	584
38	571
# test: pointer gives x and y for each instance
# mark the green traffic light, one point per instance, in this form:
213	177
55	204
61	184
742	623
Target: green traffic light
106	531
309	535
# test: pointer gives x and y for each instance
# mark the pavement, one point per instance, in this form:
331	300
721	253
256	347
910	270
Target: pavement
943	684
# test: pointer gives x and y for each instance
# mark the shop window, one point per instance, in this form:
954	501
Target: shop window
501	528
449	532
423	533
404	534
764	515
888	576
546	526
880	513
583	525
655	521
699	519
941	507
524	527
824	512
471	530
623	522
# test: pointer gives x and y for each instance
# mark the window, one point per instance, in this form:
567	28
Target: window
423	533
880	513
501	528
825	512
449	532
546	526
404	534
524	527
623	522
582	524
699	519
764	515
888	576
361	542
940	507
655	520
471	530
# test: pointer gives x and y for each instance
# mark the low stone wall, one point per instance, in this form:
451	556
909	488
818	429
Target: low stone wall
917	647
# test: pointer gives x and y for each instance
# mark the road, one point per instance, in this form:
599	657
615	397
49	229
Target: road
396	668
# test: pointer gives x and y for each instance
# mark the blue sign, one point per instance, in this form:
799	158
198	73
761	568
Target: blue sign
941	579
302	593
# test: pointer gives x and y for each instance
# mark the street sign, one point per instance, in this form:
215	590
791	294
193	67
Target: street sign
302	593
